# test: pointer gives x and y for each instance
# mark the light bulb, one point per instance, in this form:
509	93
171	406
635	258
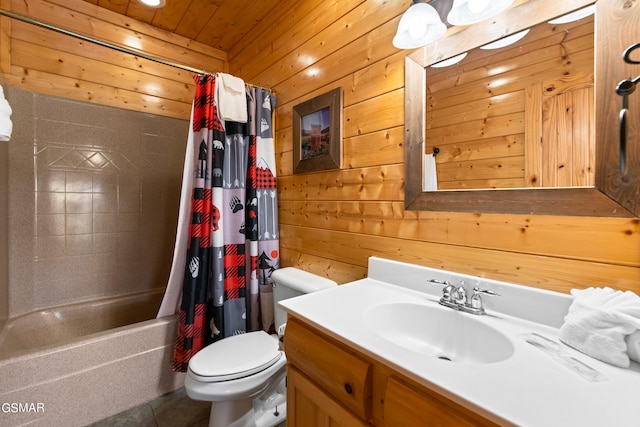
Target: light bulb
477	6
153	3
417	31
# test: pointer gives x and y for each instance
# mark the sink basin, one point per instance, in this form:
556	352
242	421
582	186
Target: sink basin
439	332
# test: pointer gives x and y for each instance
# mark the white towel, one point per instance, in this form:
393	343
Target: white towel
430	173
6	126
231	98
598	322
633	346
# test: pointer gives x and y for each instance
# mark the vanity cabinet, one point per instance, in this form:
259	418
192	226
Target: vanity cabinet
331	384
325	380
310	405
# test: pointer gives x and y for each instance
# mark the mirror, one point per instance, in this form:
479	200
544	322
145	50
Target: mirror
587	200
515	116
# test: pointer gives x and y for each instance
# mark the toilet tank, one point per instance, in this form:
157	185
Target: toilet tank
291	282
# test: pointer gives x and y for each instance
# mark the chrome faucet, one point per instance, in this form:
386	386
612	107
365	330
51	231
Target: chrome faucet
460	295
448	290
456	297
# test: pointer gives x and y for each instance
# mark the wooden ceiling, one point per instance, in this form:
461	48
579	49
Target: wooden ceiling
217	23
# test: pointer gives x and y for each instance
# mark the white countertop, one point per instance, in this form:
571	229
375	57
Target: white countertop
528	389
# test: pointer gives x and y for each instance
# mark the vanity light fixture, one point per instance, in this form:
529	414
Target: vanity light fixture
467	12
419	26
505	41
153	3
574	16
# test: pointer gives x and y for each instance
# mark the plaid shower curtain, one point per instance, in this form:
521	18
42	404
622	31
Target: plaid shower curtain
233	236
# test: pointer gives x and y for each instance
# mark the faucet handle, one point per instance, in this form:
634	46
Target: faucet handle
477	290
447	292
476	301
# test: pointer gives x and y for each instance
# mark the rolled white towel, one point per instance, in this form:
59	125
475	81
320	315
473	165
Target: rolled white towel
633	346
598	322
604	345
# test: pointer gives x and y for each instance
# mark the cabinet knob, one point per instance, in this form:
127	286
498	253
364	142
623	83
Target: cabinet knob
348	389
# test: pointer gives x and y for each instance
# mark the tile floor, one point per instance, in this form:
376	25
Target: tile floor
171	410
175	409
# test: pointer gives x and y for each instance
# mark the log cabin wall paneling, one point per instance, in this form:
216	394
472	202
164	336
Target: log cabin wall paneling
41	60
331	222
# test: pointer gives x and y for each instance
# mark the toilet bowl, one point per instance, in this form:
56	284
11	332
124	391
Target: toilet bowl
245	375
235	371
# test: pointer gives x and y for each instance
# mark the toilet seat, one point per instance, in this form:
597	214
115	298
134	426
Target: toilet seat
235	357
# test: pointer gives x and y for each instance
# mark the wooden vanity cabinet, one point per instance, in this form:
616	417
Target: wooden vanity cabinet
330	384
325	372
406	404
310	405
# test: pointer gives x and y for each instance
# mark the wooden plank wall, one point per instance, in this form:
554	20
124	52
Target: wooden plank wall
479	108
331	222
44	61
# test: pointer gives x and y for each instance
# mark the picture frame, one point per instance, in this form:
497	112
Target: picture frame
317	133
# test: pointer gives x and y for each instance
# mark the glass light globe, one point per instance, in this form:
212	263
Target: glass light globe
467	12
477	6
417	31
419	25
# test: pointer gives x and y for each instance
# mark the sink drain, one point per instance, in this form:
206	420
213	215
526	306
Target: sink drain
447	358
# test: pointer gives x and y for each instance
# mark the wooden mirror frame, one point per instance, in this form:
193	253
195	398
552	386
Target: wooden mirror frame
615	193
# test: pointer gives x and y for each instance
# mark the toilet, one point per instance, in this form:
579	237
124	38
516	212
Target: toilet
245	375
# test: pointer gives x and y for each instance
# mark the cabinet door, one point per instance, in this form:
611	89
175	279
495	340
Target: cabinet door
340	372
309	406
406	406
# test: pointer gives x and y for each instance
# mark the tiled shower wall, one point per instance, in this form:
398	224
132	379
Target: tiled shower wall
93	195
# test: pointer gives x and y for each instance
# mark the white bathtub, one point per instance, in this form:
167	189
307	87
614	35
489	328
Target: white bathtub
75	365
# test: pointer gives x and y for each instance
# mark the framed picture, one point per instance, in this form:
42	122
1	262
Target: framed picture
317	133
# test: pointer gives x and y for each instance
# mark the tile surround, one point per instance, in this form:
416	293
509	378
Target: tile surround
85	186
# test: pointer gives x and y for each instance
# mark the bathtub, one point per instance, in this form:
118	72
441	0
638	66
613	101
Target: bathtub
74	365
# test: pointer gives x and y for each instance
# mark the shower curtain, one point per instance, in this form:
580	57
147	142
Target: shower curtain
233	235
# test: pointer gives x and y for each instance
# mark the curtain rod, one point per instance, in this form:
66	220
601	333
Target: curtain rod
103	43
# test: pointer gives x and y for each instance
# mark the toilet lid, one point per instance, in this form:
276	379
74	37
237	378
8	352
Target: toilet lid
236	356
